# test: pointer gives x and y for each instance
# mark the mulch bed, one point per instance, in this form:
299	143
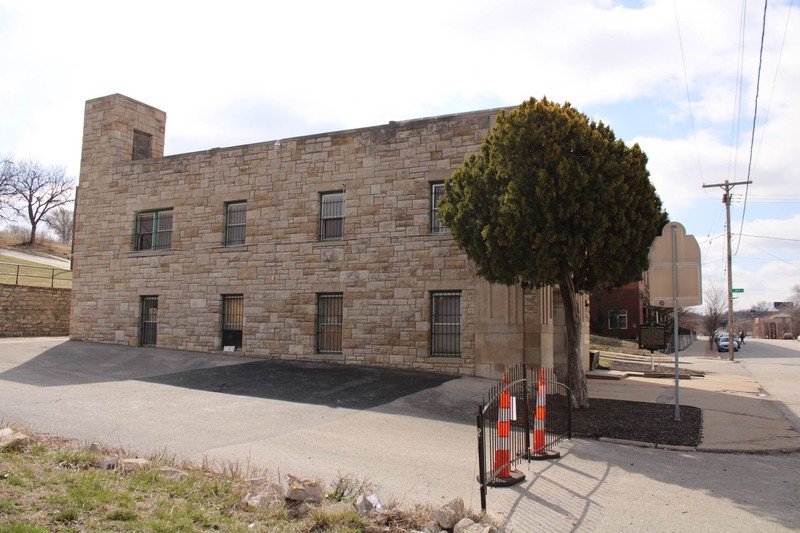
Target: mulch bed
638	421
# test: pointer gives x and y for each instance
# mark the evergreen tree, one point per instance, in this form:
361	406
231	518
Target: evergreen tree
554	198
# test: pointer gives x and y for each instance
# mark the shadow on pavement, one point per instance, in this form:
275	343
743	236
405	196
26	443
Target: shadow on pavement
329	384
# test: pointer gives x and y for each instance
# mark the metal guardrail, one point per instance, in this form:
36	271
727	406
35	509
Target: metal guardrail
20	273
683	341
527	414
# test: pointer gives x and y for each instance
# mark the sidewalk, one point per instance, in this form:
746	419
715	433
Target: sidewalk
738	416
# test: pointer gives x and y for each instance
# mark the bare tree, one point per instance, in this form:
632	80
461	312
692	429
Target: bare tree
60	221
762	307
37	190
715	308
6	191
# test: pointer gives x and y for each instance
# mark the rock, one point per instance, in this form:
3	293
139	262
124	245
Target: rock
131	465
172	473
334	509
264	495
303	490
431	527
450	514
5	432
465	525
95	449
109	463
297	509
12	439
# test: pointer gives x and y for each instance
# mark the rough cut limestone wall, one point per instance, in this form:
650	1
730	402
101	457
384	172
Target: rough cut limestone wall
33	311
386	265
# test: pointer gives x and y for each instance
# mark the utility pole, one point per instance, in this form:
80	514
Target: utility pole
726	199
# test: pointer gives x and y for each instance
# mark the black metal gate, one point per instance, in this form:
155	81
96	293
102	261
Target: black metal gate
148	327
527	414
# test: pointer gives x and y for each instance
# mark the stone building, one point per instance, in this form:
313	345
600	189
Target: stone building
321	248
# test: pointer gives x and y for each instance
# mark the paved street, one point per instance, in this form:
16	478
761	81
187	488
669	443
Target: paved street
412	434
775	364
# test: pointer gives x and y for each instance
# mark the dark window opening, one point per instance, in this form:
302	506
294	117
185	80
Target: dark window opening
148	324
232	320
446	324
153	231
142	143
329	323
235	223
437	191
618	319
331	216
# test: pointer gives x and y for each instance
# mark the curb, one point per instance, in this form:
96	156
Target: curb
700	449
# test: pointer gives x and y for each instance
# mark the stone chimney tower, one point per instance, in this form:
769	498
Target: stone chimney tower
117	131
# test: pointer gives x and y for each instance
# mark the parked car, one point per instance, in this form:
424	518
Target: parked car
788	336
723	344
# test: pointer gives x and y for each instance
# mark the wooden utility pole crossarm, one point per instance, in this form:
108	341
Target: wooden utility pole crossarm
726	199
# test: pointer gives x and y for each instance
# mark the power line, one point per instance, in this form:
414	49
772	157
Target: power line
686	82
755	116
765	237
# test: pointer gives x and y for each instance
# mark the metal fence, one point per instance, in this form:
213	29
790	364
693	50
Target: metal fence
526	415
12	274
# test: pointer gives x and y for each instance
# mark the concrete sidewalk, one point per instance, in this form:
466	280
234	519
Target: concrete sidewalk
738	415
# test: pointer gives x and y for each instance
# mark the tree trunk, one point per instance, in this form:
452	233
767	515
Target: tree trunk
576	377
33	234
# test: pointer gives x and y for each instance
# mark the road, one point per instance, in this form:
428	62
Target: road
50	261
775	364
410	433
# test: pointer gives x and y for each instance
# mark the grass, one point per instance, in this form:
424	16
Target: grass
608	344
15	271
49	484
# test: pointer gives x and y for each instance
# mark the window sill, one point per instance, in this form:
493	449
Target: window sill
151	253
231	248
444	358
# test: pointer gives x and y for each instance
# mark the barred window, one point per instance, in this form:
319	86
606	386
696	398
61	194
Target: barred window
148	320
446	324
153	231
235	223
437	191
618	319
232	320
329	323
331	216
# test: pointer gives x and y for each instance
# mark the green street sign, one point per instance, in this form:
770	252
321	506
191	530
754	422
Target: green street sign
737	290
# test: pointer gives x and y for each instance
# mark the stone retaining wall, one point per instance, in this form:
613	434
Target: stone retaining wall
33	311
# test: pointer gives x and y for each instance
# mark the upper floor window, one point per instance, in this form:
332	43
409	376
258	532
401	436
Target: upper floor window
142	143
618	319
437	191
331	216
153	230
235	218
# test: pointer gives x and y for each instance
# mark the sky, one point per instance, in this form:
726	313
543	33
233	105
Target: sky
678	77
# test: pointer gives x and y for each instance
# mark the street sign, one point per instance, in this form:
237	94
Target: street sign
666	257
737	290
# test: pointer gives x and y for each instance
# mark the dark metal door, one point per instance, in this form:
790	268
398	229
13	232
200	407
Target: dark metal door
148	329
